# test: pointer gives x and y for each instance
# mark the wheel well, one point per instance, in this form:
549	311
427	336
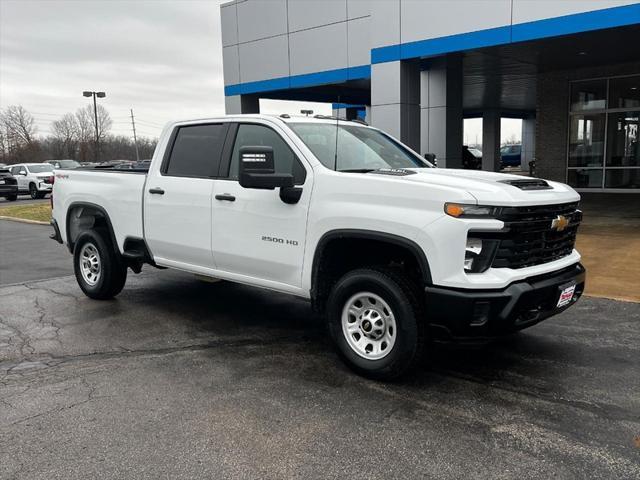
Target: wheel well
86	217
338	254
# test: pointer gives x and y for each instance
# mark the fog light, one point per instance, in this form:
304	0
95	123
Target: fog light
480	314
479	254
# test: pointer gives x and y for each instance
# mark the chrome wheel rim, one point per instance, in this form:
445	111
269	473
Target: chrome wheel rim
369	325
90	264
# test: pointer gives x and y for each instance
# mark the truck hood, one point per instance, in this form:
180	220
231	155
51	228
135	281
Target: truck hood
491	188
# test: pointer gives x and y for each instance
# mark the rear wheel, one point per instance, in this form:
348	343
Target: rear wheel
99	270
375	318
12	198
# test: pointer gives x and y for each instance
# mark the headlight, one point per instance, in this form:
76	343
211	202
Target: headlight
471	211
479	254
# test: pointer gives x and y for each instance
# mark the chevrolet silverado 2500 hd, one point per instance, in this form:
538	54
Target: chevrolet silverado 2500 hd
393	251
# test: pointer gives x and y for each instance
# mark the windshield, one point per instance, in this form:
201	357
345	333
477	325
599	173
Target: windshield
67	163
40	168
358	149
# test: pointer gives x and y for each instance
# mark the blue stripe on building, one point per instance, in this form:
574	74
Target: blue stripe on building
551	27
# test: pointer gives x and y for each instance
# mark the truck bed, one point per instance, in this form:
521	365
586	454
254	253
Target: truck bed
117	192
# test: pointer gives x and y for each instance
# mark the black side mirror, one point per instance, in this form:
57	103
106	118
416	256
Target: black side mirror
431	158
257	169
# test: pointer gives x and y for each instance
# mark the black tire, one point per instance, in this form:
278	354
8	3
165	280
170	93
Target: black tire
12	198
402	297
113	271
33	191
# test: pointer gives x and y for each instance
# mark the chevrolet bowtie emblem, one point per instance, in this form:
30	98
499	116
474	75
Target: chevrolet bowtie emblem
559	223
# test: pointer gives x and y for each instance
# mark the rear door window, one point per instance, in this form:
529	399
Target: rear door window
197	150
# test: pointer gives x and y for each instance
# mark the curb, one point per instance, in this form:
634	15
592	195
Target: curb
23	220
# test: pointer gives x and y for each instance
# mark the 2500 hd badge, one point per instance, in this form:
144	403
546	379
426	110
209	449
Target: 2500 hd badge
266	238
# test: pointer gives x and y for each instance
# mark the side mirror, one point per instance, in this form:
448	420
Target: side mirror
431	158
22	172
257	169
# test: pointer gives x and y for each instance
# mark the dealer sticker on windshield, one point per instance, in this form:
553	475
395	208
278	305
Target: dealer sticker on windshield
566	294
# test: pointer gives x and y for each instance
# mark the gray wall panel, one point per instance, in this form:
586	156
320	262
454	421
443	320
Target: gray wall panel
319	49
229	25
385	83
264	59
232	104
305	14
359	41
261	19
530	10
385	22
438	18
231	65
358	8
387	118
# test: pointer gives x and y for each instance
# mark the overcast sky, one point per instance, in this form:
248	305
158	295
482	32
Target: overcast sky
163	58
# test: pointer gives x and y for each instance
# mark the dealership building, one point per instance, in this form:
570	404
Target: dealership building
570	69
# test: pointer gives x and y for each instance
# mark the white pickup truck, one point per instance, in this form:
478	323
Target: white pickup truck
394	252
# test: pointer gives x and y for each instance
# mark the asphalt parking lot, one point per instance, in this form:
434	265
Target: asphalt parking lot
22	200
179	378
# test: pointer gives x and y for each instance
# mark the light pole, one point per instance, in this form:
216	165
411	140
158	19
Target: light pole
95	114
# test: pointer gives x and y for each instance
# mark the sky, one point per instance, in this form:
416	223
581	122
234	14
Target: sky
161	58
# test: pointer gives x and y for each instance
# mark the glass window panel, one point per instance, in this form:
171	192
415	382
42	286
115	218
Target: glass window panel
624	92
589	95
586	140
196	151
585	178
623	139
622	178
285	161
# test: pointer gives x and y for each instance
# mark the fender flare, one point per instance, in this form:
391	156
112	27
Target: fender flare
73	206
404	242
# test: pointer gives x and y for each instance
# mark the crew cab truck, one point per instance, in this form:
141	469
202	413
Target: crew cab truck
394	252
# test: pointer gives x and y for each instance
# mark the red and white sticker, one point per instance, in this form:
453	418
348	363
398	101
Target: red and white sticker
566	295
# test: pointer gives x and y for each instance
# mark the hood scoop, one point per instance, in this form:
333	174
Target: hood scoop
528	184
396	172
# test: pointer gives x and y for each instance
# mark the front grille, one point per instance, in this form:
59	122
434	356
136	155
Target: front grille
528	237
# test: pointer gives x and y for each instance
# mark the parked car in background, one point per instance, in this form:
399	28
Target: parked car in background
471	158
66	164
8	185
36	179
510	156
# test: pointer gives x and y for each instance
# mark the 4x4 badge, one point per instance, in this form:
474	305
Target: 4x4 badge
559	223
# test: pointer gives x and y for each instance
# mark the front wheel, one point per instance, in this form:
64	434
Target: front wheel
33	191
12	198
375	319
99	269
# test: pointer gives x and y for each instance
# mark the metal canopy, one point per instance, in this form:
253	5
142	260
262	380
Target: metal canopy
504	77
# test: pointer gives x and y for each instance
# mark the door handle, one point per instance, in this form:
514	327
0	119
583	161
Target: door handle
227	197
156	191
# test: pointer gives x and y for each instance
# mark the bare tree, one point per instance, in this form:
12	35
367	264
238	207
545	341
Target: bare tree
87	126
4	153
85	133
19	125
65	135
20	134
